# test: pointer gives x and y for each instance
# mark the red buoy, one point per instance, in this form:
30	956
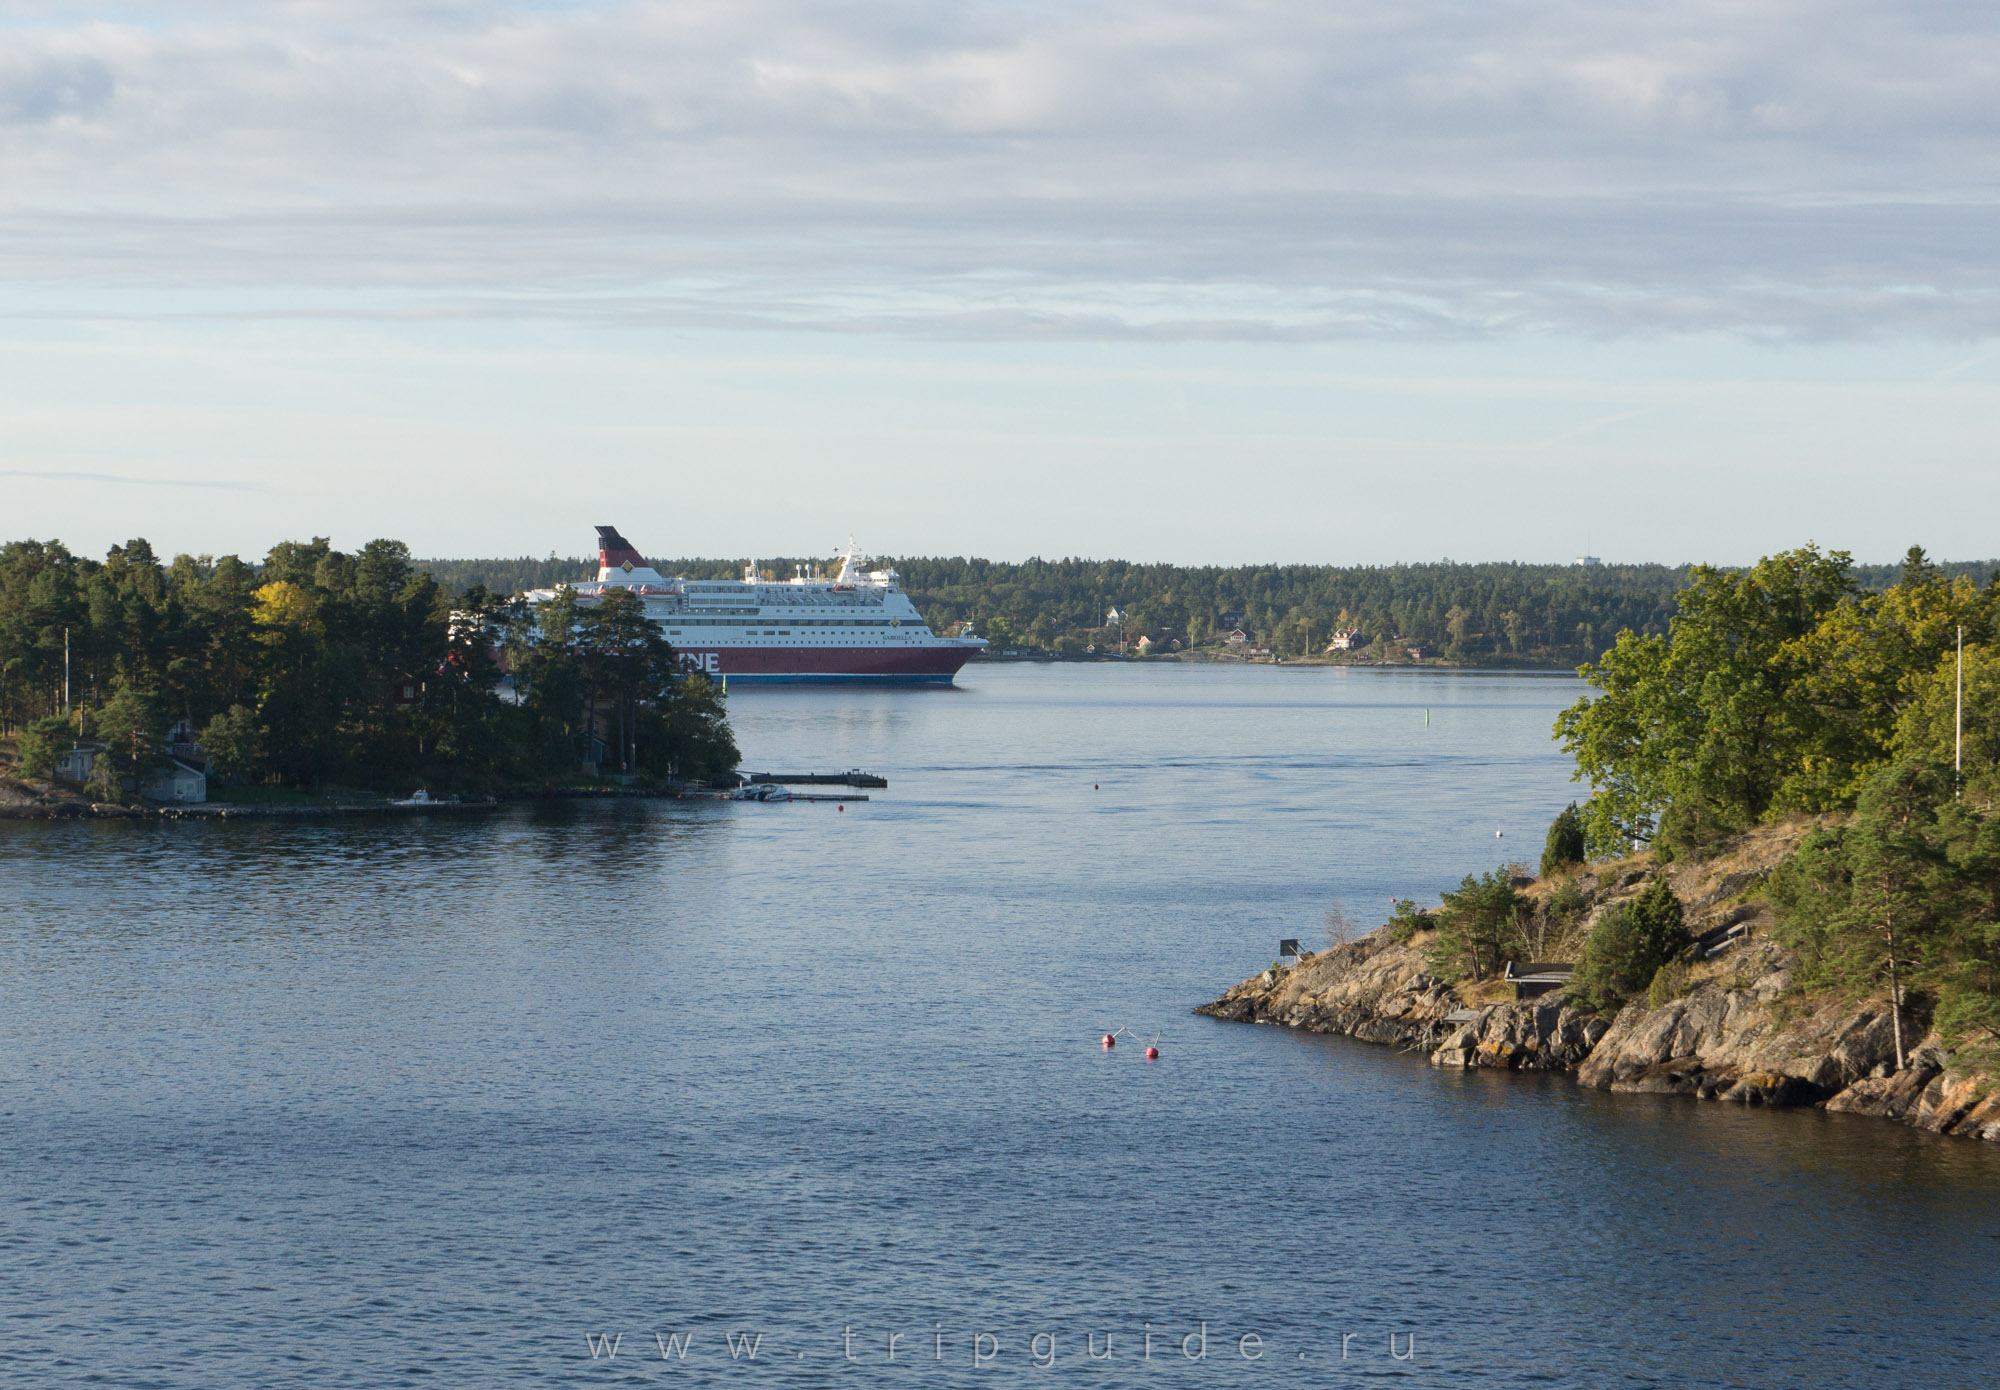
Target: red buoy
1152	1054
1110	1041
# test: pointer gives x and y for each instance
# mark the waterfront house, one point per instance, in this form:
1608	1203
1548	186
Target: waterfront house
1236	637
176	782
1345	640
75	764
181	745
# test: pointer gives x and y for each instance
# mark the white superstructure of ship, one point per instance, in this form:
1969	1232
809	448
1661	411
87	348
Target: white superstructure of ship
852	626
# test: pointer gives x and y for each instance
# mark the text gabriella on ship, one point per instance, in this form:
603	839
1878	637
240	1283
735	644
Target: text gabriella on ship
854	626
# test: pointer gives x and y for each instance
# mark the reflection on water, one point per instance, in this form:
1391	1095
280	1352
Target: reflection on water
372	1102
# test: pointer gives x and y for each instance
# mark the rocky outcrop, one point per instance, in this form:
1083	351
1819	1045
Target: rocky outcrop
1543	1034
1926	1095
1728	1039
1738	1031
1376	989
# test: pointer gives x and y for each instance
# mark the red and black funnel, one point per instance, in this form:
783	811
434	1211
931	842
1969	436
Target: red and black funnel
614	551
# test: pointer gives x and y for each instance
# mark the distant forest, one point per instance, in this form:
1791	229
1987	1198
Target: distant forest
1495	613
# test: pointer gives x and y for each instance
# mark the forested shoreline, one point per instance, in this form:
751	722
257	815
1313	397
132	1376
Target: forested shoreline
1782	889
1788	692
316	668
1556	616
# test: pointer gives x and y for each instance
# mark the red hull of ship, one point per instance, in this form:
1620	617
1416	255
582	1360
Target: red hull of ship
780	665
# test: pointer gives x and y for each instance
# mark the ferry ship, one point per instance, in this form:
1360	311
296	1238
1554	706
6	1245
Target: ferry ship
850	627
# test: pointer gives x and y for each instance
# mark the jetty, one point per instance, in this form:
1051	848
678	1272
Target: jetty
854	777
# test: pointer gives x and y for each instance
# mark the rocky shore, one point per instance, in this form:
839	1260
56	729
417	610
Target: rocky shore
1736	1031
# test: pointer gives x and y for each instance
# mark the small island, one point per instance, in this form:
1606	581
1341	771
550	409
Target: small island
318	679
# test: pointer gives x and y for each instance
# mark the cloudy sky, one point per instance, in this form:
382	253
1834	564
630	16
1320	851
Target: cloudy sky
1191	281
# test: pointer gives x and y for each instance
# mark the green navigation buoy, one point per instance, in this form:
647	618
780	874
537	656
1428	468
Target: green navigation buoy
1427	719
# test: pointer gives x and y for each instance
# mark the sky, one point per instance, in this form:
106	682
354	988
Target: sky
1199	282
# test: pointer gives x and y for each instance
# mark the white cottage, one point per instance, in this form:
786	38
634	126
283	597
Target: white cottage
176	782
75	764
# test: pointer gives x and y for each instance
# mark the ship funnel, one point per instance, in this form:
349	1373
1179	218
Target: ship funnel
618	563
615	552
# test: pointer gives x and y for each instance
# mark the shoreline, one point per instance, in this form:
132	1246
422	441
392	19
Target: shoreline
1203	657
1737	1032
44	809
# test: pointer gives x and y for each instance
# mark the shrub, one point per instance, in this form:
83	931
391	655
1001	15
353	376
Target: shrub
1565	845
1628	946
1567	900
1340	928
1670	982
1406	921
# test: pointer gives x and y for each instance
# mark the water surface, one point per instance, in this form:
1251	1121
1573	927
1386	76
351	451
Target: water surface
432	1101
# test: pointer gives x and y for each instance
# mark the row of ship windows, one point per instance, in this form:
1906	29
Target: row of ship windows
795	622
785	632
720	610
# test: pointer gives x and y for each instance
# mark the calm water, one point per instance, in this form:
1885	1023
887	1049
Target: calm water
432	1102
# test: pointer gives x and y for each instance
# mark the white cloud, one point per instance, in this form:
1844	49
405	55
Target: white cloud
1099	169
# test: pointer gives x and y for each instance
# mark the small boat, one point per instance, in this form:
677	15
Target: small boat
421	798
764	791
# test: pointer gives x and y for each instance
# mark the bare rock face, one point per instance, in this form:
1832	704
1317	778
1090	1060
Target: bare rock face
1890	1097
1727	1039
1376	989
1927	1096
1543	1034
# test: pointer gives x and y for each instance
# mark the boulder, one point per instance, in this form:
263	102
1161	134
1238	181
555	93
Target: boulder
1891	1097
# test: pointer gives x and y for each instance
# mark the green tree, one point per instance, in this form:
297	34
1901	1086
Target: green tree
690	735
1478	928
1901	876
1904	900
129	724
105	783
1693	733
1812	896
1565	846
41	742
1859	669
1928	723
629	663
1627	947
233	741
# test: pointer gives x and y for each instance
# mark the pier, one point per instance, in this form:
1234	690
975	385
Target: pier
854	777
